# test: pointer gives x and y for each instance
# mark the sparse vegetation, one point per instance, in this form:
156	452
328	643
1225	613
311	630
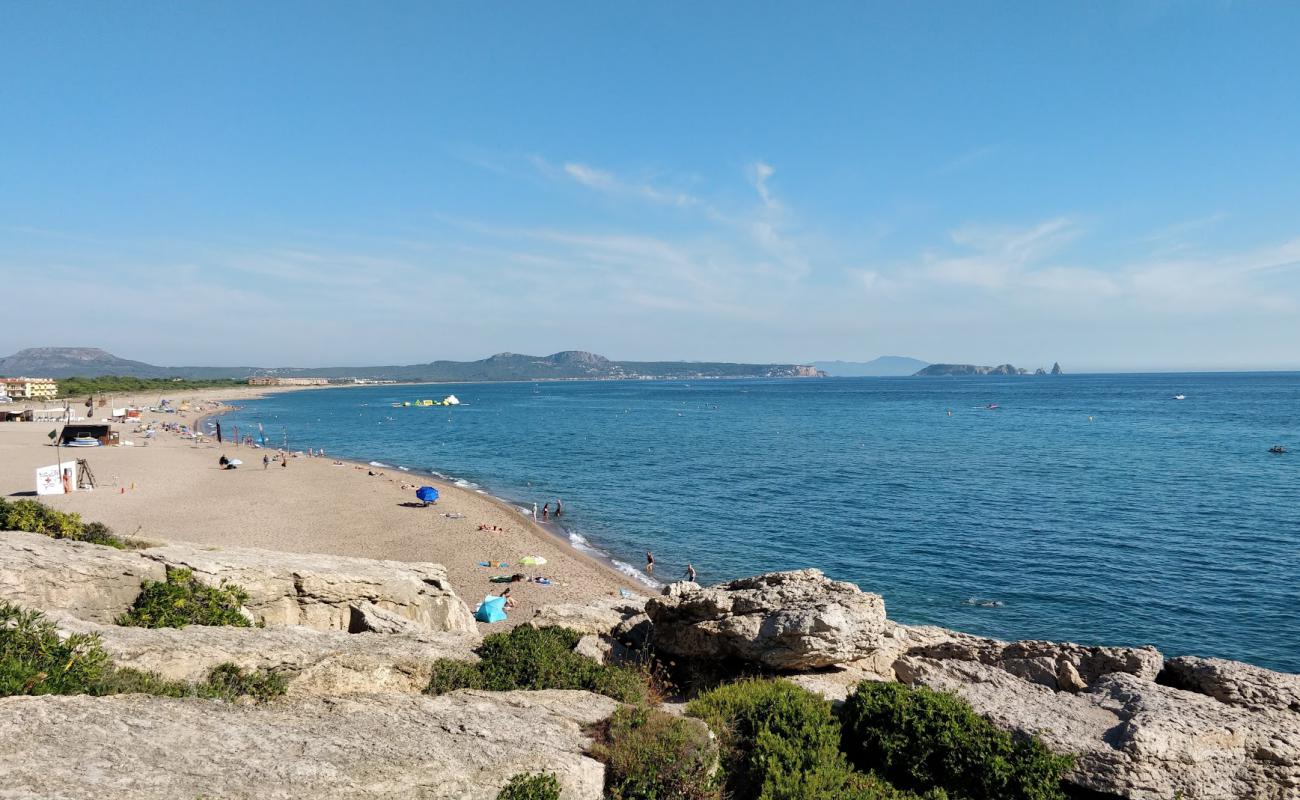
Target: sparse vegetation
533	658
35	661
651	754
182	600
524	786
35	517
918	738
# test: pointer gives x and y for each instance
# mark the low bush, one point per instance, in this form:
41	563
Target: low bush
182	600
33	517
536	658
34	660
531	787
652	755
918	738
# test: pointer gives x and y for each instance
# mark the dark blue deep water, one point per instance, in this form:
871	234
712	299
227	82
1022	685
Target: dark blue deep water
1155	521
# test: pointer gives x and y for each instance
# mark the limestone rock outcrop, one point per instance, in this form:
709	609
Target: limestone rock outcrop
781	621
1133	738
312	661
1234	683
1057	665
461	746
612	628
318	591
84	580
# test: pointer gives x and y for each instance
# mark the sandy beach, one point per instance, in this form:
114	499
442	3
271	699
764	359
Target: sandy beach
172	488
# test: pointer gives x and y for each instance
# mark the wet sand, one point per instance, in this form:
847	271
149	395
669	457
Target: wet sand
171	488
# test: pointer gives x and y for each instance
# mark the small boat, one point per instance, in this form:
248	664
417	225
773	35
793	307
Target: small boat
992	407
1277	448
82	441
1180	397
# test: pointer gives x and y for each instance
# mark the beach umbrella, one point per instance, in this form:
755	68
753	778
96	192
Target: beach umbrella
532	561
427	494
492	609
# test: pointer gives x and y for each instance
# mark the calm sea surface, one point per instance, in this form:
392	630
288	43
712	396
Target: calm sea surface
1093	508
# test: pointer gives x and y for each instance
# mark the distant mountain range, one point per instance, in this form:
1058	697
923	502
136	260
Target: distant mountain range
971	369
885	366
91	362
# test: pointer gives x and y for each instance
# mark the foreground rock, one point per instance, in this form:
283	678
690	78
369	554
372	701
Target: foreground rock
319	591
612	628
1234	683
781	621
83	580
462	746
312	661
1133	737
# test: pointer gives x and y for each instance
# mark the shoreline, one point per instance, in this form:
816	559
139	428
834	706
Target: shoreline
169	488
554	531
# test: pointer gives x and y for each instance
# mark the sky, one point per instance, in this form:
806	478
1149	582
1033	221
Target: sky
1111	185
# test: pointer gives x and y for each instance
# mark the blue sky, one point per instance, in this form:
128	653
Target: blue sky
1112	185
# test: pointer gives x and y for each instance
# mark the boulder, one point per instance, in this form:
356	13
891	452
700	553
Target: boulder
319	591
1131	737
366	617
782	621
1234	683
612	627
312	661
89	581
1056	665
461	746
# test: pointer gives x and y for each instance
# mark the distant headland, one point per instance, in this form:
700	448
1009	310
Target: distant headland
971	369
92	362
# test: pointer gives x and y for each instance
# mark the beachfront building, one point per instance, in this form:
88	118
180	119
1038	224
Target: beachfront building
270	380
29	388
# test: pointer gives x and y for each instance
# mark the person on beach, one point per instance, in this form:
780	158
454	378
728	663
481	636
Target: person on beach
534	512
649	562
559	506
284	460
690	573
223	462
510	601
546	512
266	461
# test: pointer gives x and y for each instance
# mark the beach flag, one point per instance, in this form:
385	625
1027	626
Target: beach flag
261	433
218	432
54	434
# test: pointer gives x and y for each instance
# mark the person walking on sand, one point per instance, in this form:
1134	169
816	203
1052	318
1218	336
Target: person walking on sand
266	461
649	562
284	460
690	573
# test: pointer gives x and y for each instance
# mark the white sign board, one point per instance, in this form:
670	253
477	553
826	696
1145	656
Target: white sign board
57	478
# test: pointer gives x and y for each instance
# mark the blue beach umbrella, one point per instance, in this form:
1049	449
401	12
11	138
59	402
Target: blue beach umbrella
427	494
492	609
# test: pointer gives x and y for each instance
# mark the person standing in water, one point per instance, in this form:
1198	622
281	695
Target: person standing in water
649	562
546	512
690	573
559	506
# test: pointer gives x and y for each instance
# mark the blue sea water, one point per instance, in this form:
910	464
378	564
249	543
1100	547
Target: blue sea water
1094	508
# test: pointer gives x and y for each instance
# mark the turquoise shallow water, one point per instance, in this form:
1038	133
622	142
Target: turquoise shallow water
1159	521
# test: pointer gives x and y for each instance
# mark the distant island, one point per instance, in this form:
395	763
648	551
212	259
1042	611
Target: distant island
90	362
885	366
971	369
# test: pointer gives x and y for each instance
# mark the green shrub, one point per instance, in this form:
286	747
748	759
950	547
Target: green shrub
450	675
34	660
777	741
531	787
533	658
652	755
182	600
918	738
33	517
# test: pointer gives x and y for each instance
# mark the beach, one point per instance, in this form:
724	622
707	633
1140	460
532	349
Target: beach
170	488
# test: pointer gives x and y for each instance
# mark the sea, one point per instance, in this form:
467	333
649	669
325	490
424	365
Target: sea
1092	508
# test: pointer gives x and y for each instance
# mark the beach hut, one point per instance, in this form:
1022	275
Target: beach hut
103	433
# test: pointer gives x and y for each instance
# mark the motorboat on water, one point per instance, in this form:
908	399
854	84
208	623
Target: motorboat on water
82	441
992	407
1180	397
